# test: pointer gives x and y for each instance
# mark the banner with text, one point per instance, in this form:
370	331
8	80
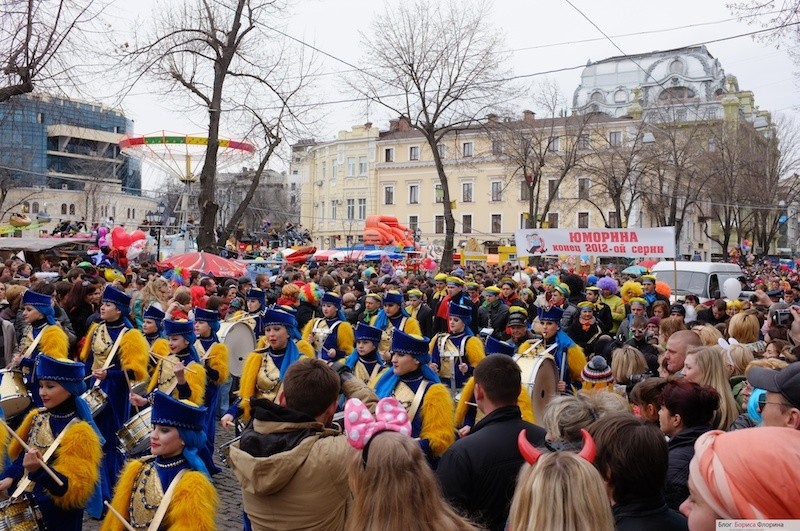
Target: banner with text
656	242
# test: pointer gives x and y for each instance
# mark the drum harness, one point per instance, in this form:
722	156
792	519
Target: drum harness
25	482
444	352
321	334
530	382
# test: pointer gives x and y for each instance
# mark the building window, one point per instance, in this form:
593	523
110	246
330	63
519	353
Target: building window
413	153
680	115
613	220
351	209
583	188
466	192
362	209
324	171
497	147
552	220
362	165
552	188
40	117
334	169
553	144
129	213
524	190
712	145
442	149
63	209
413	224
413	194
583	220
388	195
466	224
523	220
598	97
497	223
71	209
583	141
334	208
497	190
351	166
615	138
293	187
133	213
620	96
676	67
438	193
322	210
467	149
438	225
388	155
35	207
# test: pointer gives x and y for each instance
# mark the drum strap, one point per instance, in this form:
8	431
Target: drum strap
412	411
111	355
164	505
26	481
33	345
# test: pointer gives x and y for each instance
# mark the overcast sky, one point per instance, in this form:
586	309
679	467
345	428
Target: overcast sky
542	36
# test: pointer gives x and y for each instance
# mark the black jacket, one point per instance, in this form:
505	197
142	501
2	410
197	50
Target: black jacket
681	451
306	312
648	514
494	316
425	318
479	472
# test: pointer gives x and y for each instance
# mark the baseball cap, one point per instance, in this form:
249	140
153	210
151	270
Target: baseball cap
786	382
244	280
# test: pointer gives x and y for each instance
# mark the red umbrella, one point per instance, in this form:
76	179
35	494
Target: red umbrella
208	263
648	264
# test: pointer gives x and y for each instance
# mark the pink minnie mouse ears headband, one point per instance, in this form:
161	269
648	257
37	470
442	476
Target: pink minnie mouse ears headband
531	454
360	427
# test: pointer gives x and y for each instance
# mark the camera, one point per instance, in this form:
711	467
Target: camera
782	317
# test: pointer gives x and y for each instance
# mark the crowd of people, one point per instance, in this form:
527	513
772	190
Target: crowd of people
376	397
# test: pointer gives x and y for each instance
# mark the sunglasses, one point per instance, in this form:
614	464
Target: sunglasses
762	401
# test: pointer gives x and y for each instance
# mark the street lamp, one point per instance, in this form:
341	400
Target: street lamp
156	220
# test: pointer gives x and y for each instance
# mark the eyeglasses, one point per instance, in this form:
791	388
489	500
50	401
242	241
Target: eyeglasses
639	330
762	401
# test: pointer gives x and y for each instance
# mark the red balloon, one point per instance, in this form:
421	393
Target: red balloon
138	235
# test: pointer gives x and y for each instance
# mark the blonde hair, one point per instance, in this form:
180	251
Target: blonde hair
709	335
744	327
741	356
561	491
625	362
565	415
151	293
291	291
767	363
397	485
711	361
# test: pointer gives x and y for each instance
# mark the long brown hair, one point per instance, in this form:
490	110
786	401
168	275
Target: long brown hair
396	489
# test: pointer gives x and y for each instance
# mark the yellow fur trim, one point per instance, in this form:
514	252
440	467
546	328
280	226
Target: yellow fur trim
14	448
247	382
305	333
412	327
525	405
305	348
474	351
87	344
576	361
78	458
262	342
54	342
437	419
218	360
467	395
122	496
197	382
193	505
345	338
160	346
4	440
133	349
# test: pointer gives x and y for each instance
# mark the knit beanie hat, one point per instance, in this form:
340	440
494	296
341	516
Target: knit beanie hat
597	371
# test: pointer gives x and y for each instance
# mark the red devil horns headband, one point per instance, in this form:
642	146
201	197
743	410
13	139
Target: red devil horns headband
531	454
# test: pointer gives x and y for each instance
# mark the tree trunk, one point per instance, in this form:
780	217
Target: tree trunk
446	263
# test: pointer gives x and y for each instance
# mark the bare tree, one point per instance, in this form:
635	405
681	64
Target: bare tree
236	68
779	19
40	40
439	65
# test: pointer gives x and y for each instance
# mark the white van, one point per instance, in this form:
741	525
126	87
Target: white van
704	279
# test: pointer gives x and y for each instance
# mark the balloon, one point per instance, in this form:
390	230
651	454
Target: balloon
104	241
102	231
732	288
138	235
135	249
112	274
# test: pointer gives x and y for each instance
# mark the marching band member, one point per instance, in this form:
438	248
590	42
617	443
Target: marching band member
41	334
65	426
264	369
393	317
255	301
412	382
455	354
111	347
172	476
569	357
364	361
181	374
467	413
330	335
215	358
153	330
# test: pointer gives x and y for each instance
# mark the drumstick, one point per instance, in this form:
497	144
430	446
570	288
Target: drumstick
174	362
128	381
28	449
121	518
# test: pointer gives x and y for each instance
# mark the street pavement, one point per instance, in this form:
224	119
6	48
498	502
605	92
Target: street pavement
229	514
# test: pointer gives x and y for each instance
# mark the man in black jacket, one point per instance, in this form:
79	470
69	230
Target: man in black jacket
479	472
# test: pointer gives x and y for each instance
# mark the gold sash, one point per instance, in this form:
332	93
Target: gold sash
146	495
268	381
447	353
41	437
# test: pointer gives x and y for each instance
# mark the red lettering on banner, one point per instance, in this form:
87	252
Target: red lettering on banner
603	237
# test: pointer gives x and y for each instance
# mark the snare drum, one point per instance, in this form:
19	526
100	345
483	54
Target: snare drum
224	451
14	396
240	340
540	378
134	435
139	388
21	514
96	399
